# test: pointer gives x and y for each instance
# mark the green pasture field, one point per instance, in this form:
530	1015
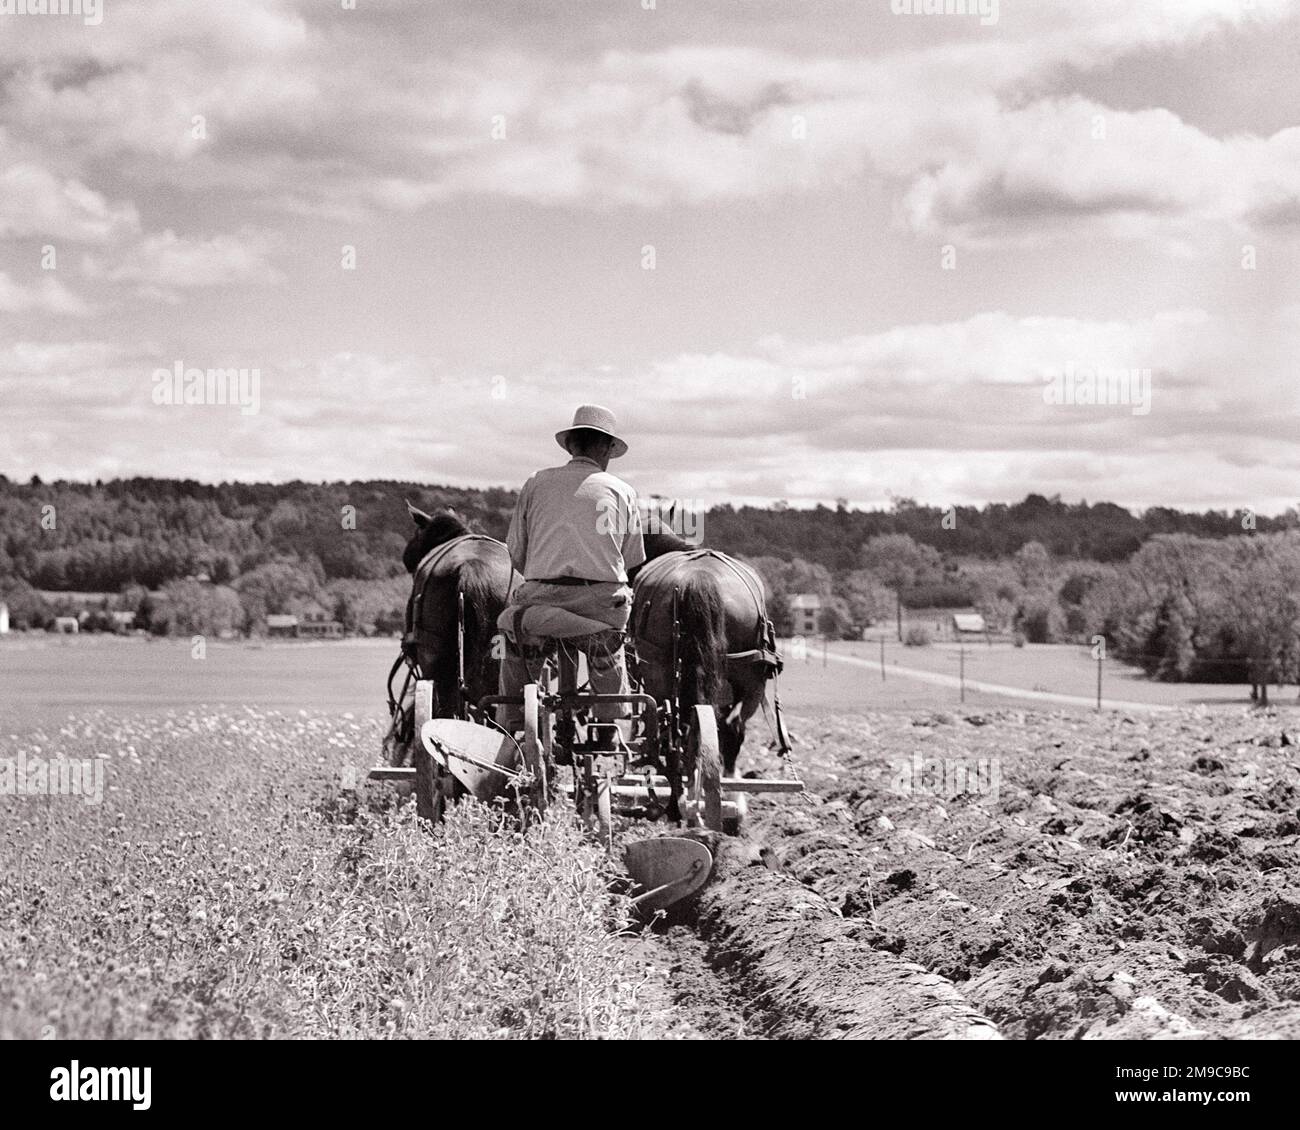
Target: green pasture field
45	676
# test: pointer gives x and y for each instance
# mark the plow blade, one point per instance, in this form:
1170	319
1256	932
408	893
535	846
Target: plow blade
482	760
666	870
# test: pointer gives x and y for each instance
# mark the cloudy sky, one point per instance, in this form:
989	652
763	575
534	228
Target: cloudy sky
806	249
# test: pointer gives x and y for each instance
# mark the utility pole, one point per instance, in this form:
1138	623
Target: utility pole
882	659
963	672
1099	652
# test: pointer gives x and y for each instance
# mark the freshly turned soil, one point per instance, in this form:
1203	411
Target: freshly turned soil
1129	878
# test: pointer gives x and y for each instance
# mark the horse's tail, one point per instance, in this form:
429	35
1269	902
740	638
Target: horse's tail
483	603
703	641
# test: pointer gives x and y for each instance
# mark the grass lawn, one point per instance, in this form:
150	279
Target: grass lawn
1058	668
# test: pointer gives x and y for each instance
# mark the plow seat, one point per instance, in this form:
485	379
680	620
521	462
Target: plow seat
534	625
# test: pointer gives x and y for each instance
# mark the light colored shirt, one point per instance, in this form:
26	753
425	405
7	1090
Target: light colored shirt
576	521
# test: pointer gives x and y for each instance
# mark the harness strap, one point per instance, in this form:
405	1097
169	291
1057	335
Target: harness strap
402	657
755	593
426	567
439	551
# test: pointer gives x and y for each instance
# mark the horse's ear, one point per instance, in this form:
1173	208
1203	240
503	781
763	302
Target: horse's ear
418	516
452	511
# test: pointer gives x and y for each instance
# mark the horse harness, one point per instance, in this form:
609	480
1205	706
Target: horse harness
763	654
764	650
424	571
409	652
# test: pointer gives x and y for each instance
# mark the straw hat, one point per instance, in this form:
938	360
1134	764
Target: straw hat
594	418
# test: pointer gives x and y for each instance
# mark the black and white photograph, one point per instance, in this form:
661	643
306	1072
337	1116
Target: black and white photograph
650	520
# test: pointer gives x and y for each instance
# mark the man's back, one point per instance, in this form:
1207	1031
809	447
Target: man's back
576	520
575	533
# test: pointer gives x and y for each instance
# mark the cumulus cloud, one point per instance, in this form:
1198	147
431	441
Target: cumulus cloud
165	262
1070	160
23	359
35	202
802	420
384	127
344	113
47	296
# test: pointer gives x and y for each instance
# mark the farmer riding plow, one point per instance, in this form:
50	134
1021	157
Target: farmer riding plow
575	533
705	654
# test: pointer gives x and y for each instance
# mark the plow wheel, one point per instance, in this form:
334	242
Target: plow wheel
706	779
434	786
534	744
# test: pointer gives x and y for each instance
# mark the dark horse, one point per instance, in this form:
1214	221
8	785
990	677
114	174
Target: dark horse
723	640
475	567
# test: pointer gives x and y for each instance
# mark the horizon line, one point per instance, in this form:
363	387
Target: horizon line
742	502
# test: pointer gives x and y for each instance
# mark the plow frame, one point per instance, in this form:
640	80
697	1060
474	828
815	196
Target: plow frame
676	752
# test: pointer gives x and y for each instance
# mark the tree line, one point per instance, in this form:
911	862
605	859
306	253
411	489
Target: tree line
195	557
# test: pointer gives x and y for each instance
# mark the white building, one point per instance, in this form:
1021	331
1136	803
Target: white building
805	607
969	624
4	618
279	624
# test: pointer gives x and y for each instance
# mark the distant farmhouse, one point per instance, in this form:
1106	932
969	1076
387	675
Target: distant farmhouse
75	598
805	607
93	611
313	626
282	625
969	624
67	625
318	626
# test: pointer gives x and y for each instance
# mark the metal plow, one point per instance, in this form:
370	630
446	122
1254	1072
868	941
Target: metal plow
664	869
484	761
455	756
633	791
